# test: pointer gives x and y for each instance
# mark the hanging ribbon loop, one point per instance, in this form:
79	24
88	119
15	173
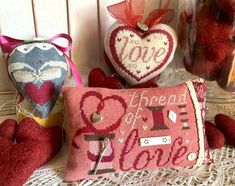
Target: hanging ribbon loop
61	48
131	12
8	44
158	15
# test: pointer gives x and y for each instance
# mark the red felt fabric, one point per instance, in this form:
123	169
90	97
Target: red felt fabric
97	78
227	126
34	147
214	137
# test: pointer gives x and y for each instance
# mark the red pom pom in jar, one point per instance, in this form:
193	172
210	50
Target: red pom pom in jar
206	32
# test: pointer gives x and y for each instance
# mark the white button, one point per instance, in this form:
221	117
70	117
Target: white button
172	116
142	26
192	156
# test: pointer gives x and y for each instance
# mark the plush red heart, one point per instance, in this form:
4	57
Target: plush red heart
227	126
139	57
214	137
97	78
34	147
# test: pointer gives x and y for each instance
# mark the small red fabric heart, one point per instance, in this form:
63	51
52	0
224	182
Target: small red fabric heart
34	147
97	78
42	94
227	126
214	137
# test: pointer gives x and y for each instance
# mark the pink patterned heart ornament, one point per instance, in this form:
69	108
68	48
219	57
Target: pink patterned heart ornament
140	56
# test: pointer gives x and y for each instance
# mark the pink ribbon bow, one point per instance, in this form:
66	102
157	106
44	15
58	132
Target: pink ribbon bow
8	44
131	12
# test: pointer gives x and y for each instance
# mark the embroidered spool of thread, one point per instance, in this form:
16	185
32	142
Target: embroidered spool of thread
101	153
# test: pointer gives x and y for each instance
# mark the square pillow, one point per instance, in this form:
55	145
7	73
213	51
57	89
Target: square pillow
112	131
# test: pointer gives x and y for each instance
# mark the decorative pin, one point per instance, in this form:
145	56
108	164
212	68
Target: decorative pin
142	27
101	154
96	117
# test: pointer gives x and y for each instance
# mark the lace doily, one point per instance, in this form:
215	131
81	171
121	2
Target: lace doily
222	172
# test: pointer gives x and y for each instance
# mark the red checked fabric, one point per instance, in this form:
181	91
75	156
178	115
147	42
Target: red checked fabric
132	130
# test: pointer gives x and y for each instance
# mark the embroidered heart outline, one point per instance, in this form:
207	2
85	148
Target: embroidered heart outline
89	125
126	72
120	64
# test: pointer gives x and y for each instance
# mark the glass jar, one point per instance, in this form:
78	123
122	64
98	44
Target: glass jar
207	41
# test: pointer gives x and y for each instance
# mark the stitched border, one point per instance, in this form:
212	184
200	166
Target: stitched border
201	154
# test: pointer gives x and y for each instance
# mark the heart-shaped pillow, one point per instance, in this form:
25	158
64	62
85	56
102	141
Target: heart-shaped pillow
34	147
38	71
140	56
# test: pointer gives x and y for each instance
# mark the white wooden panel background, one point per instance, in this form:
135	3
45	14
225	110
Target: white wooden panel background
84	20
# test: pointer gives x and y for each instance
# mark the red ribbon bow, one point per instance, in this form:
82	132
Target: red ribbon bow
131	12
8	44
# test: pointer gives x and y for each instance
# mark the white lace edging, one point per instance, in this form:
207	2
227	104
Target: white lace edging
26	48
201	155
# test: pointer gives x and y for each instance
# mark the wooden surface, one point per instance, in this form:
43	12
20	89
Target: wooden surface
86	21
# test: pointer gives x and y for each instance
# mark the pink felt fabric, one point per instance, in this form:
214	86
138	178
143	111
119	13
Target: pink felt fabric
124	118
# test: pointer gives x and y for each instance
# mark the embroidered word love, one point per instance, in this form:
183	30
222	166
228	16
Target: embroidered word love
144	158
140	53
137	56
